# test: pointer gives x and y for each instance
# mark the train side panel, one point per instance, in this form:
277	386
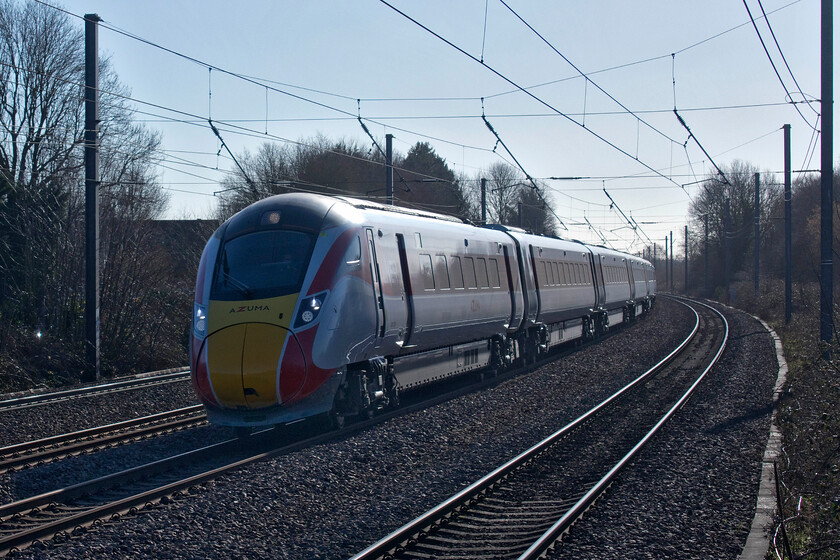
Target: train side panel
453	278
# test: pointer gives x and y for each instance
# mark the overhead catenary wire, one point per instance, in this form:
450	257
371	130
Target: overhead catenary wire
592	73
247	79
584	75
696	141
615	206
773	64
380	119
513	83
784	58
262	81
284	140
242	76
527	176
207	167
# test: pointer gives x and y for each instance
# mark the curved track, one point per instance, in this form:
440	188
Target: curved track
523	508
71	510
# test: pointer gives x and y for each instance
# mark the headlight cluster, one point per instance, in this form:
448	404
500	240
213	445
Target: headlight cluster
199	320
309	309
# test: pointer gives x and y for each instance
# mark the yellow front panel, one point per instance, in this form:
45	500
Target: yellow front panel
224	364
263	345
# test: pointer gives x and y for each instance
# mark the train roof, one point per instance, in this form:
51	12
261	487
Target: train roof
368	205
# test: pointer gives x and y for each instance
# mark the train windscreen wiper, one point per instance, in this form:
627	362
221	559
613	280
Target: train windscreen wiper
246	290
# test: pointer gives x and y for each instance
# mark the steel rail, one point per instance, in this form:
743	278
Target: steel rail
89	515
92	390
13	456
95	514
92	515
550	537
408	532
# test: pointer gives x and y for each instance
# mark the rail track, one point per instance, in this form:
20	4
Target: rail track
72	510
42	399
522	509
39	452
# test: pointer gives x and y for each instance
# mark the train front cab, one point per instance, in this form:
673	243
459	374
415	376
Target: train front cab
251	350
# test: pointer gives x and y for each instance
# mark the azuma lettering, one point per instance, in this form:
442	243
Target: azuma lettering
242	308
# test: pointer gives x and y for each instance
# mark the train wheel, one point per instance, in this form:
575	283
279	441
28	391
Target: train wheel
496	358
335	420
588	332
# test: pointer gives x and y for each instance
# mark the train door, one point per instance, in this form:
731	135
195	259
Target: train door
377	288
406	293
630	277
598	279
511	289
537	286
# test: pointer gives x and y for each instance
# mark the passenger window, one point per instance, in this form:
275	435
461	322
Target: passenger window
455	273
542	274
441	273
567	274
426	272
494	274
481	273
469	273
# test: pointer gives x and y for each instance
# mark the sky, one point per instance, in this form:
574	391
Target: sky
304	69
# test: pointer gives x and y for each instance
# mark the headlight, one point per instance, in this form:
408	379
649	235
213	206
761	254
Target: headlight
199	320
309	309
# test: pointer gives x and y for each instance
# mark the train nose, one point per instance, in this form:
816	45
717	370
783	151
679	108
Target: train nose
243	362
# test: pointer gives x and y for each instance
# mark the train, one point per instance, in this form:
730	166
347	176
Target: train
309	305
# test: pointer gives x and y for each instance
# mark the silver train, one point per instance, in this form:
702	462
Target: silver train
307	304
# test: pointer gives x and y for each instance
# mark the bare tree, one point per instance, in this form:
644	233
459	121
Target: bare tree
710	204
41	187
503	183
40	122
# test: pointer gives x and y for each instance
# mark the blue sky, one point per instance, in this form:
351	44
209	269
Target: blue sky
417	87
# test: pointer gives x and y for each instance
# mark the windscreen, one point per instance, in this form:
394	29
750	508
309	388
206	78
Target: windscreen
262	265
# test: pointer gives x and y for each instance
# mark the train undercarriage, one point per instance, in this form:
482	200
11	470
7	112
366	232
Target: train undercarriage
376	384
